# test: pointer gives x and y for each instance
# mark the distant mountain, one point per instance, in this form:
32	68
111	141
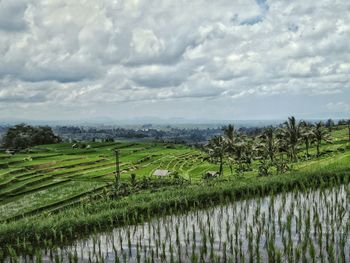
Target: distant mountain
140	121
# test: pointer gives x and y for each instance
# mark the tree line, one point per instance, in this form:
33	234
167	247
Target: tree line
275	148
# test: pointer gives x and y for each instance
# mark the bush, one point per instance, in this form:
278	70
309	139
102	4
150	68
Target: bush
341	149
4	165
170	146
264	168
133	179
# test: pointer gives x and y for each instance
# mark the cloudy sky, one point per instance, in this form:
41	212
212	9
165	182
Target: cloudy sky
198	59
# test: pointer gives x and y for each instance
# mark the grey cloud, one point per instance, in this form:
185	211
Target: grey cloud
104	53
66	73
12	15
157	76
26	94
23	99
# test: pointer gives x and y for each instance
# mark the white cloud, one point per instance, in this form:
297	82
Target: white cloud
146	43
98	52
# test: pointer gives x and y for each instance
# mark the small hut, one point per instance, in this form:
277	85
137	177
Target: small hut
210	174
161	173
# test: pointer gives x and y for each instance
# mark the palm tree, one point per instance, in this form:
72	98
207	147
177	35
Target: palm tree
249	150
241	148
283	147
291	132
230	132
269	143
320	134
272	143
329	124
229	136
282	165
307	136
238	147
217	149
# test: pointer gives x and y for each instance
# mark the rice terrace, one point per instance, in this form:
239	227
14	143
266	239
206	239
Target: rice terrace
162	131
237	198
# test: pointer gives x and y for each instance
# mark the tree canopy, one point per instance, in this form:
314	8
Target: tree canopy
23	136
269	147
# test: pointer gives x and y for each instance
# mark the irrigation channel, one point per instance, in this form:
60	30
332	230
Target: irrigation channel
311	226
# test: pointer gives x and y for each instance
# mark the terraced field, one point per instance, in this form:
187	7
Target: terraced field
51	177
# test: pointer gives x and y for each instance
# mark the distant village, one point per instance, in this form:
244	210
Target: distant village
143	133
147	132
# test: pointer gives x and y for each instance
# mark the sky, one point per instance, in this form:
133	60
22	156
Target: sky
194	60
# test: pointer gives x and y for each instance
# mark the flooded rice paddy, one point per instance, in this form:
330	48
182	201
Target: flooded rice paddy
312	226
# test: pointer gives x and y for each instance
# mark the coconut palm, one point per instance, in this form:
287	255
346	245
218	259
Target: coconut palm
249	149
282	165
241	148
283	147
217	148
238	148
229	137
320	134
329	124
307	136
291	131
269	143
271	147
230	132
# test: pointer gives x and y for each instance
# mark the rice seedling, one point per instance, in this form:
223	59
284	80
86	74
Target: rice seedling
267	229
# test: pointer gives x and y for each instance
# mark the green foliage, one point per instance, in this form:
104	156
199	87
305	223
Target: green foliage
264	167
133	179
320	134
24	136
239	150
291	133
